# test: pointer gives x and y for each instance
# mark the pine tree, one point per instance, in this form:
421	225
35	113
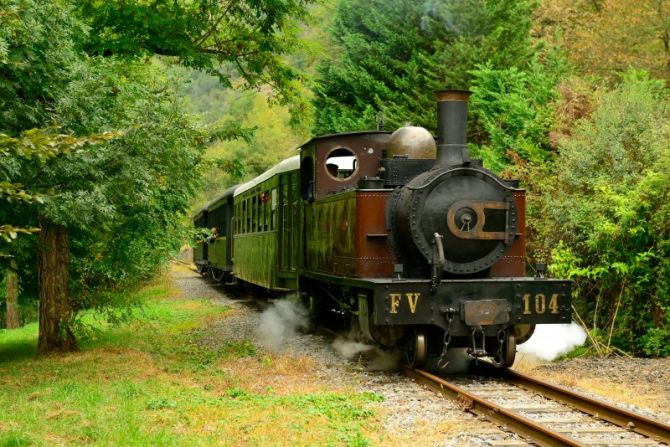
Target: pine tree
394	54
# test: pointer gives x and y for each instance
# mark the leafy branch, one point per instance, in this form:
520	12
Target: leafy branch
42	146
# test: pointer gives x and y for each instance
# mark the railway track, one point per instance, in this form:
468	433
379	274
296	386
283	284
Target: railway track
545	414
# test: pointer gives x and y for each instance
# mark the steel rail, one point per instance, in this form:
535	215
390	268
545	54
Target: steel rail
535	432
643	425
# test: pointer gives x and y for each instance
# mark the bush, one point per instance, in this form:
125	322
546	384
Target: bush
608	203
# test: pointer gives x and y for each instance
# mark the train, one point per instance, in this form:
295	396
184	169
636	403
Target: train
416	245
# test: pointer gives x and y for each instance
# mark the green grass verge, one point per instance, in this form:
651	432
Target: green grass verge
153	382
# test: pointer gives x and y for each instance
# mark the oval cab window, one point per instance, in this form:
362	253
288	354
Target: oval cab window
341	164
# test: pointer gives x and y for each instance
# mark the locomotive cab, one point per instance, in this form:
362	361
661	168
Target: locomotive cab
335	163
422	246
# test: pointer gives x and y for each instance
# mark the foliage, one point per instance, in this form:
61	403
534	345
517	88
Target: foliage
35	147
37	44
392	56
250	37
606	38
608	203
123	201
512	106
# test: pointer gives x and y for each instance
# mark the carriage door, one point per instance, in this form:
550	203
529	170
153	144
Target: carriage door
284	224
295	220
289	239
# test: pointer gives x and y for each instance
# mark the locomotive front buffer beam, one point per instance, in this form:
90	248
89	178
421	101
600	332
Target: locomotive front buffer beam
464	304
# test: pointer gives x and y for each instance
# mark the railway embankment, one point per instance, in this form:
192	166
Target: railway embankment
404	412
200	364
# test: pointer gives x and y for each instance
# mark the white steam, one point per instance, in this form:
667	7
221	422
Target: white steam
371	357
350	349
281	322
551	340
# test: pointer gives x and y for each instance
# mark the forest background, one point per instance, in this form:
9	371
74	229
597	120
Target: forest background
571	97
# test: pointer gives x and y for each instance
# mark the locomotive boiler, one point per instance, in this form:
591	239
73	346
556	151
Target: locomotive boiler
414	244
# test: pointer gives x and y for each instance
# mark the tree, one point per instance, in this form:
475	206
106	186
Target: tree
37	148
34	150
111	212
393	56
513	108
107	203
608	37
251	36
12	317
115	207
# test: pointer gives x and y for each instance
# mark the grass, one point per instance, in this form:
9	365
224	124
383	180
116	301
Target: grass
153	381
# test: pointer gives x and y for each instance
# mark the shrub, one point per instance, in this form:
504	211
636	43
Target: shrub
609	203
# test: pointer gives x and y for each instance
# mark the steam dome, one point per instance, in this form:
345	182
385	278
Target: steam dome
411	142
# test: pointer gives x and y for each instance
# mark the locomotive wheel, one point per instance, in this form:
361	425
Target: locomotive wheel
509	350
522	332
416	349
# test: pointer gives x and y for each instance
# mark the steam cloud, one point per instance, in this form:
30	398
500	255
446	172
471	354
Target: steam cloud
281	322
350	349
551	340
374	358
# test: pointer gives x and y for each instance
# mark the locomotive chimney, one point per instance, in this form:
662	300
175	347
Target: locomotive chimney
452	116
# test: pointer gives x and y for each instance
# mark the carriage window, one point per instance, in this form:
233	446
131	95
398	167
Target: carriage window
254	214
273	207
341	163
259	213
266	211
247	213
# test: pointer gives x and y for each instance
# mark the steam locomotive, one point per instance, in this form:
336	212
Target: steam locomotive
415	244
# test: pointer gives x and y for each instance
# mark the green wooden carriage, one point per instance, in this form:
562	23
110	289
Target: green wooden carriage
266	228
220	249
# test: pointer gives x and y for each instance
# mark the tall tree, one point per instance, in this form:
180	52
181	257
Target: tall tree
114	209
394	54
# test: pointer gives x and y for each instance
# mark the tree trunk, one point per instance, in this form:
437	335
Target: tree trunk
53	276
12	320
